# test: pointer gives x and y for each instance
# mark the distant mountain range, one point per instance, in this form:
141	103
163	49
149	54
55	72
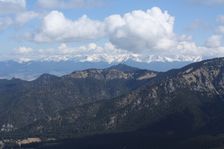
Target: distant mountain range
25	102
33	69
119	107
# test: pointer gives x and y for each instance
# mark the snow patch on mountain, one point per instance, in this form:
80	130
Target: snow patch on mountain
117	58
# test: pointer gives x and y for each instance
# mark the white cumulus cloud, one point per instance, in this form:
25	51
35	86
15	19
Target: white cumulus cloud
142	30
149	32
138	31
55	27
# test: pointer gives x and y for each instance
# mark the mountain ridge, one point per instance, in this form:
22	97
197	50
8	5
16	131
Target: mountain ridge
178	103
49	94
33	69
141	99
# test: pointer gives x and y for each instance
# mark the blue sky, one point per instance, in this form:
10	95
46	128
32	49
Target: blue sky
78	29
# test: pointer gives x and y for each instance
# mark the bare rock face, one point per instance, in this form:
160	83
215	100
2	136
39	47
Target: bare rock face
208	77
120	71
102	75
91	73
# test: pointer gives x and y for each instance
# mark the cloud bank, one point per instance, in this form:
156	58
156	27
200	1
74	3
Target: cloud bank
148	32
93	53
